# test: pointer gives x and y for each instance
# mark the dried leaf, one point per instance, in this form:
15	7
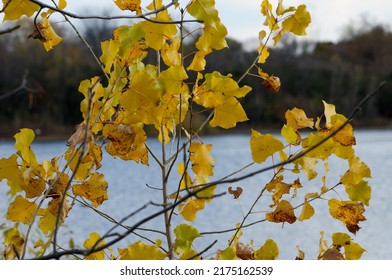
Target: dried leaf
284	212
236	193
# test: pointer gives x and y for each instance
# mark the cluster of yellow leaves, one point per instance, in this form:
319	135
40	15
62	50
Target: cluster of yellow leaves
15	9
340	144
239	251
283	20
352	250
213	35
202	167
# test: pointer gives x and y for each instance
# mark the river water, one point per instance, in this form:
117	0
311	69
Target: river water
128	191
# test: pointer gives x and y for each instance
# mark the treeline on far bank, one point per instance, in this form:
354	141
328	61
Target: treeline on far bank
341	73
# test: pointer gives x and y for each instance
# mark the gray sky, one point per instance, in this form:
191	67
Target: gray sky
244	20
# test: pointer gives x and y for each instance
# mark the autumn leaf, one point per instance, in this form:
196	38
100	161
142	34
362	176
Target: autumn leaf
51	39
9	169
121	138
243	252
270	20
295	23
202	161
236	193
109	52
33	187
353	251
95	189
329	111
15	9
360	192
331	254
21	210
264	146
131	5
291	135
284	212
307	212
297	119
13	242
23	140
190	208
93	241
228	114
349	212
48	221
141	251
263	49
185	235
269	251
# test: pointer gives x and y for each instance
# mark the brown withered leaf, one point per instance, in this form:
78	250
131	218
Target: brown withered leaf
78	136
236	193
244	252
332	254
284	212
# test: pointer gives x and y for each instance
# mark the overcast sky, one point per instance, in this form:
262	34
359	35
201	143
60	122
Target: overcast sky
244	20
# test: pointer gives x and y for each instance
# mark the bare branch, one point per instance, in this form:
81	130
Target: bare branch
9	30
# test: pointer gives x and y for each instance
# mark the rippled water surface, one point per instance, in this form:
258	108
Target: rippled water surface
128	191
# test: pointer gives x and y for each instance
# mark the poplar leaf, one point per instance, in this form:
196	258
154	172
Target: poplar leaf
340	239
298	22
23	140
264	146
307	212
297	119
62	4
353	251
95	189
51	39
47	222
199	61
348	212
33	187
15	9
21	210
131	5
190	208
109	51
13	242
141	251
228	114
185	235
269	251
360	192
270	19
9	169
121	138
284	212
291	135
329	111
202	162
94	241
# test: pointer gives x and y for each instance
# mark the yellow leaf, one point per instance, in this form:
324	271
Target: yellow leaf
219	89
270	19
23	140
14	243
269	251
202	161
297	119
186	180
9	169
307	212
291	135
50	38
121	138
189	209
33	187
131	5
62	4
308	166
228	114
155	4
21	210
357	171
345	136
109	51
361	192
199	61
263	49
349	212
340	239
329	111
353	251
94	241
284	212
47	222
170	54
141	251
298	22
227	254
185	235
95	189
15	9
157	34
264	146
280	10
